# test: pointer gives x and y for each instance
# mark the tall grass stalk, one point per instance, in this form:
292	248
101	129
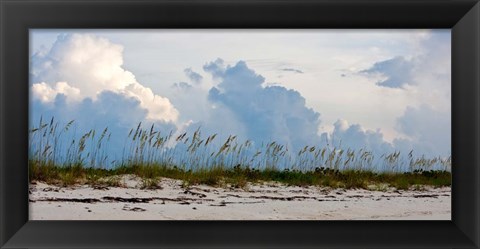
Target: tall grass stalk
195	156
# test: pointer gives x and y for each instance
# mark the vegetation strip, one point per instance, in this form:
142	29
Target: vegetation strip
236	177
151	154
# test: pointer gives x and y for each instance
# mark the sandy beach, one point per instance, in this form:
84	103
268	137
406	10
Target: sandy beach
260	201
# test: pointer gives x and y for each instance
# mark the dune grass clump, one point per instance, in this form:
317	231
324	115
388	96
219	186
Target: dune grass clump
151	155
237	177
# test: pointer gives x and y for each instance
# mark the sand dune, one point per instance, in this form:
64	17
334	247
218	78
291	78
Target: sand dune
266	201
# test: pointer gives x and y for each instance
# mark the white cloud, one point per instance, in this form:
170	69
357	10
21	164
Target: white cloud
425	76
354	136
424	80
428	131
271	113
159	108
396	72
82	66
46	93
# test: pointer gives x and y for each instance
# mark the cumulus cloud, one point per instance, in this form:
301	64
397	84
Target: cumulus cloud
396	72
271	113
425	75
215	68
274	113
109	108
87	62
159	108
82	66
425	78
428	131
193	76
433	73
115	111
82	78
47	93
354	136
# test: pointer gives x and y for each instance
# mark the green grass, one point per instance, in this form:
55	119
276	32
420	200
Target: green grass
236	177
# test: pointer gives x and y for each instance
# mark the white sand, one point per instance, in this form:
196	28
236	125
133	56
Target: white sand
266	201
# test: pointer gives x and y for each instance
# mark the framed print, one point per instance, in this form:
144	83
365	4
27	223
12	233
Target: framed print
239	124
256	138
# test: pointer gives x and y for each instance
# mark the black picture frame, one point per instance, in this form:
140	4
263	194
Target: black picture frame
18	16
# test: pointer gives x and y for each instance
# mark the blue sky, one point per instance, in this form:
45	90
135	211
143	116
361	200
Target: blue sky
383	90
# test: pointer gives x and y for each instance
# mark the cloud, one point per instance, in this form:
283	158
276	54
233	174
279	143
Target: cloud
82	78
425	124
274	113
82	66
109	109
428	131
291	70
396	72
354	136
159	108
182	85
266	114
46	93
215	68
84	61
433	73
193	76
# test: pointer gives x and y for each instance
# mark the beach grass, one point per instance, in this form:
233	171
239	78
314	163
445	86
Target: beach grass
235	177
196	159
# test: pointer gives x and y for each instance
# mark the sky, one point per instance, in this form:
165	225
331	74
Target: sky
383	90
